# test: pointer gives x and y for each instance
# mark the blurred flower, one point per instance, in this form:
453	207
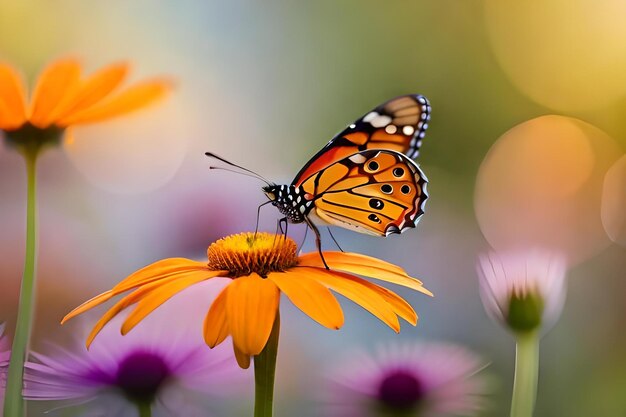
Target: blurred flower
59	101
62	99
260	268
150	371
5	354
408	380
523	291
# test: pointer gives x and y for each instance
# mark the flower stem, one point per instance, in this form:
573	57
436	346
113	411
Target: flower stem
13	402
145	409
265	373
526	375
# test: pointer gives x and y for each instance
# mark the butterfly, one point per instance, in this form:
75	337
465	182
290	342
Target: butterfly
365	178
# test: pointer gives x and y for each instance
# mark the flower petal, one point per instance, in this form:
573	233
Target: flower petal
172	268
373	268
165	268
89	304
313	259
354	289
56	81
128	300
93	90
12	98
314	299
215	323
243	360
251	306
160	295
134	98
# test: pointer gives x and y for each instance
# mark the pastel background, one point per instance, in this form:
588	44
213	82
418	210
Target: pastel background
266	84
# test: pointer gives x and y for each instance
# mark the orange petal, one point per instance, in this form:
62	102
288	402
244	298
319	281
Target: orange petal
313	259
369	270
314	299
94	89
251	306
354	289
215	324
243	360
172	268
166	268
399	304
134	98
89	304
130	299
160	295
12	98
57	81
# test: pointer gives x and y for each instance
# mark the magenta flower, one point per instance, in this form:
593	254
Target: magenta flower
5	354
158	370
425	380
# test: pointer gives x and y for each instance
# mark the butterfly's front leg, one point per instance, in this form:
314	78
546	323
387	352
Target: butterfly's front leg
279	227
318	239
258	215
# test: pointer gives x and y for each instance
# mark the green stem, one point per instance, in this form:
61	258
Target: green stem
13	401
265	373
526	375
145	409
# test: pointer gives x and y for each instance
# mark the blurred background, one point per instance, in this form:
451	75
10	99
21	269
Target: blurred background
268	84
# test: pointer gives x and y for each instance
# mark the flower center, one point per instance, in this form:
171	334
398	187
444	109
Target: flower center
243	254
29	139
525	312
140	376
400	390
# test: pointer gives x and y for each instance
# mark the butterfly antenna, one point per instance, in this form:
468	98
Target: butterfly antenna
250	173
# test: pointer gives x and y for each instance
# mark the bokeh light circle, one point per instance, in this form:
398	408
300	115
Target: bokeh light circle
614	202
540	185
132	154
568	55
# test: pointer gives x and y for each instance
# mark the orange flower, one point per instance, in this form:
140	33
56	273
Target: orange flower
260	269
61	98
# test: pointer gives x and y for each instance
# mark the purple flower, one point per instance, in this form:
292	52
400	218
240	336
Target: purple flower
425	380
5	354
524	291
161	366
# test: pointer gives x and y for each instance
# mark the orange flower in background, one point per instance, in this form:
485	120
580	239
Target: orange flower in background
62	98
260	268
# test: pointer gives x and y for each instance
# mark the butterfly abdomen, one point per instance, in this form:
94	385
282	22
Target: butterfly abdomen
293	202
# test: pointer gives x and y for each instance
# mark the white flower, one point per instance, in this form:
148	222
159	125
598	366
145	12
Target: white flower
524	291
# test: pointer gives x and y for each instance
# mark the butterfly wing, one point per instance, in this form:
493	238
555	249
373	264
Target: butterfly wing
378	192
399	124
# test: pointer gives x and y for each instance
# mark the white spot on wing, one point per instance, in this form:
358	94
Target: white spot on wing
380	121
408	130
391	129
370	116
358	158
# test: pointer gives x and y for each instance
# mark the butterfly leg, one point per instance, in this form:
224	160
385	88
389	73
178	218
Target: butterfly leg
318	239
258	215
334	240
306	231
279	227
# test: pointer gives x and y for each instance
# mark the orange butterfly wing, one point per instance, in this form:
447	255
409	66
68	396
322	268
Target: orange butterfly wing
399	124
379	192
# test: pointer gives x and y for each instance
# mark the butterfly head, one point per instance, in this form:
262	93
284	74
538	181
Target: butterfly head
272	192
290	201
